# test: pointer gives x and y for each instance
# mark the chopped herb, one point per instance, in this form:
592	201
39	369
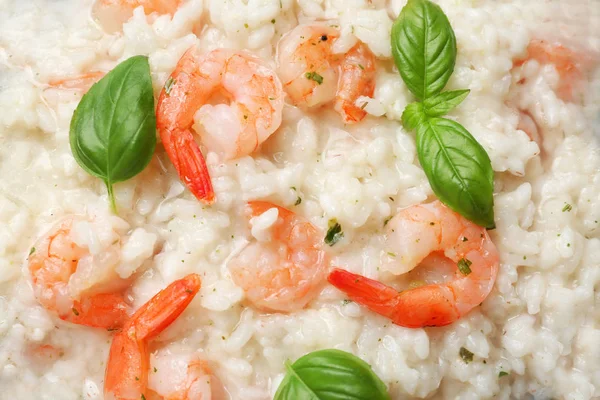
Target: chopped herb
464	266
245	117
223	337
567	207
32	251
273	21
524	257
385	221
155	370
112	329
346	301
391	254
360	66
188	291
143	397
293	187
334	233
502	373
464	239
246	26
313	76
568	244
466	355
75	311
137	379
169	85
364	105
432	223
298	201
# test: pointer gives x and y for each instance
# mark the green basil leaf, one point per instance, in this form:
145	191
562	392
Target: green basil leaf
441	104
424	47
413	115
458	168
331	375
113	129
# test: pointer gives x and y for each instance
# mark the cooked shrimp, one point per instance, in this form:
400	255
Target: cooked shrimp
569	64
183	376
232	130
126	376
415	233
112	14
314	75
528	125
80	287
287	271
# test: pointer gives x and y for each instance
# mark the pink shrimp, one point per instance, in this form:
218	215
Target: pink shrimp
254	113
313	75
569	64
286	272
111	14
126	376
91	298
414	234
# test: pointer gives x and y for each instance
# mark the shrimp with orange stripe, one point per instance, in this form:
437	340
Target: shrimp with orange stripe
285	271
111	14
126	375
460	268
237	102
78	286
314	75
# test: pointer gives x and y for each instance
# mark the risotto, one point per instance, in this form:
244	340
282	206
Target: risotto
208	198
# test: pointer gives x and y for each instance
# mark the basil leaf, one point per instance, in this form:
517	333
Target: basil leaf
424	47
441	104
458	169
331	375
113	129
413	115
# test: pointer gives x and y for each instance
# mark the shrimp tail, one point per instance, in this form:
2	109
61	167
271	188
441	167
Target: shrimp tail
164	308
370	293
126	376
126	373
104	310
430	305
189	163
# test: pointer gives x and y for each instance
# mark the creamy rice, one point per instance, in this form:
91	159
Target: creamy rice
539	324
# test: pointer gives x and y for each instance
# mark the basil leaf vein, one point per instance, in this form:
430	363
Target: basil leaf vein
331	375
424	48
113	130
458	169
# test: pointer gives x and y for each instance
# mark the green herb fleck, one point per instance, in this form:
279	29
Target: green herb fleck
313	76
169	85
143	397
385	221
361	66
391	254
464	266
155	370
246	26
567	207
273	21
466	355
334	233
32	251
75	311
298	201
502	373
346	301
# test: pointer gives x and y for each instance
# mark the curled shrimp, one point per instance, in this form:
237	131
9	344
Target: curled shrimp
112	14
314	75
569	64
414	234
80	287
126	375
287	271
232	130
184	376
